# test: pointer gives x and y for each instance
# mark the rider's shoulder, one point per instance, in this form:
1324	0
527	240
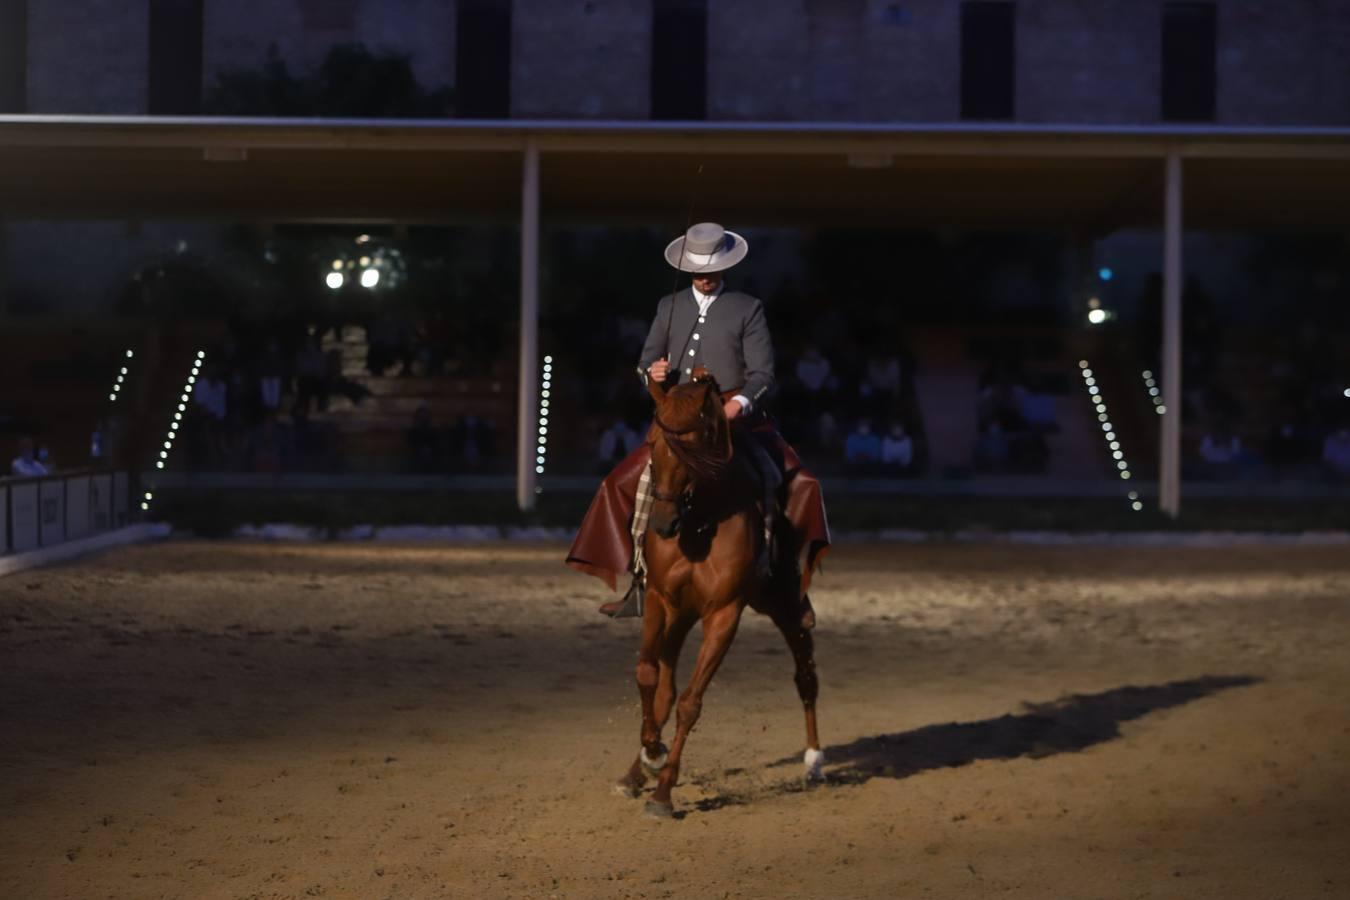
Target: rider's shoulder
740	299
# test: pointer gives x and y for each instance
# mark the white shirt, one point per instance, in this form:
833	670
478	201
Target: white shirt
27	468
704	301
211	397
898	450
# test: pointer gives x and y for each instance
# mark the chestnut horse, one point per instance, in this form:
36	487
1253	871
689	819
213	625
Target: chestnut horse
702	538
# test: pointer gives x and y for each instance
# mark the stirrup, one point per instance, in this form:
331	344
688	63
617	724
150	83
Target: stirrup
632	603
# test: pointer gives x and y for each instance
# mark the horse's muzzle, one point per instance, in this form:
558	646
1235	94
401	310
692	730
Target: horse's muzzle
664	520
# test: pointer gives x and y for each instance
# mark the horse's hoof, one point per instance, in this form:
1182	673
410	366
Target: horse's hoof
625	788
660	810
651	766
814	762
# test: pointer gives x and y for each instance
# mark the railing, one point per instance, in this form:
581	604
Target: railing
46	510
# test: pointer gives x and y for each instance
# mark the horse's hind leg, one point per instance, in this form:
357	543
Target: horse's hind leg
802	645
719	630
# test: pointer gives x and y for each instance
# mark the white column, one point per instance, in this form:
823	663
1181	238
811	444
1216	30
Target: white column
528	413
1169	468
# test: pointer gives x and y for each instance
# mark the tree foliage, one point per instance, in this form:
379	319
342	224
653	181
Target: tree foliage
351	82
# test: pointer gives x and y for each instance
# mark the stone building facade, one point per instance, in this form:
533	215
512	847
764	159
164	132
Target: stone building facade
1073	62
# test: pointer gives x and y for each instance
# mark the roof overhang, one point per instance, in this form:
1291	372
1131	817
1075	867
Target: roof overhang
967	175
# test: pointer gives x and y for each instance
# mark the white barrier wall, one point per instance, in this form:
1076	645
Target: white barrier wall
77	507
121	499
52	508
23	517
100	502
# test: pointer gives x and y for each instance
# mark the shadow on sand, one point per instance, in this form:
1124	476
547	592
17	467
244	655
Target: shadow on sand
1045	729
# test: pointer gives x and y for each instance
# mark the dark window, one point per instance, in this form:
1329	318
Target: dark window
175	57
680	59
483	59
328	15
1188	46
13	56
987	60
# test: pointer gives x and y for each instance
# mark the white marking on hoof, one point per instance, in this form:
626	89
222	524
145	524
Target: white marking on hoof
653	766
814	760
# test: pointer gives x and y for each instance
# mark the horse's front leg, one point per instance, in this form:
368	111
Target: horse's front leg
648	676
719	630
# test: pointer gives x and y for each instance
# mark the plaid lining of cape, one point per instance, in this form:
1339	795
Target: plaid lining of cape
642	510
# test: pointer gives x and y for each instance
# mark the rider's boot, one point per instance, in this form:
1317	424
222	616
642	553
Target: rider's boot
631	603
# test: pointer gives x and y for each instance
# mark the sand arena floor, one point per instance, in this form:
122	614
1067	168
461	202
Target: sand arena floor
233	720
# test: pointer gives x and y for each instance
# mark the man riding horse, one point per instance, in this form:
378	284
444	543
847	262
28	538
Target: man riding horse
724	332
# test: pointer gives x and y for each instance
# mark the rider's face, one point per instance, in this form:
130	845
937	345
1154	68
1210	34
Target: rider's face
707	282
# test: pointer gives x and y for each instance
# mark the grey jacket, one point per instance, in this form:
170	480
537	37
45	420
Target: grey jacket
733	343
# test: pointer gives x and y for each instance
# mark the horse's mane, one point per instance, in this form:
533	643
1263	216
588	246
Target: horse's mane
695	428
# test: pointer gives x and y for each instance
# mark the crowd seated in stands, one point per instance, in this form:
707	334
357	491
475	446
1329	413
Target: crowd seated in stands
31	461
1336	454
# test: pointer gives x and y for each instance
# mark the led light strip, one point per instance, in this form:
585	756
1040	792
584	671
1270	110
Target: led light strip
1154	393
1108	430
543	415
121	379
177	421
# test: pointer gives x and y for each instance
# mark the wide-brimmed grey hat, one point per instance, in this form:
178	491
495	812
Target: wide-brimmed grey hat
706	247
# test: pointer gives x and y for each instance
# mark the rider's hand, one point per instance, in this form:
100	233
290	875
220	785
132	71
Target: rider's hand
732	408
659	369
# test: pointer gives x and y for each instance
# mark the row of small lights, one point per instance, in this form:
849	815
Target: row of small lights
121	379
1154	394
543	415
177	421
1108	430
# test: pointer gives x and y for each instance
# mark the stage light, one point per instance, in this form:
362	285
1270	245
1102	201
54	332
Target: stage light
1153	392
1099	403
335	280
1105	274
370	278
1082	364
1136	506
130	354
543	413
112	397
1097	316
1346	392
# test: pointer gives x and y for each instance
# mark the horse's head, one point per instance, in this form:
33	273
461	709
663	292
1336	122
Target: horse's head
691	443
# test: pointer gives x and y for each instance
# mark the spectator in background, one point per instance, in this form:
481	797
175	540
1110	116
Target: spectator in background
473	441
1336	453
617	441
271	374
813	371
881	386
897	450
423	445
268	447
992	449
27	464
862	450
210	394
311	371
1220	452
